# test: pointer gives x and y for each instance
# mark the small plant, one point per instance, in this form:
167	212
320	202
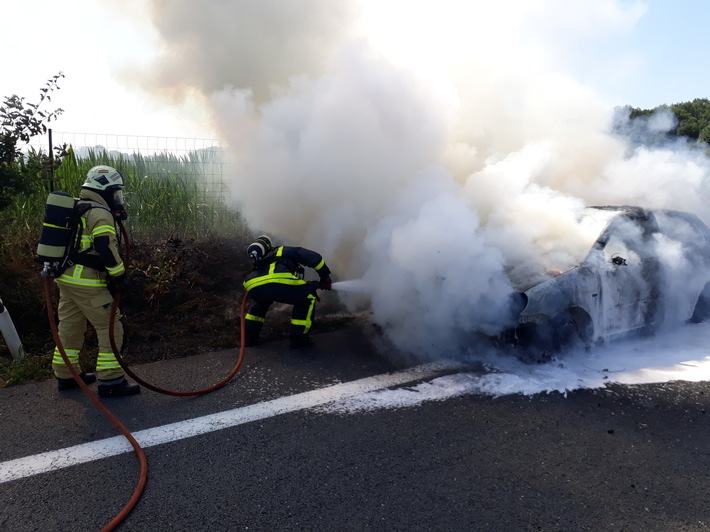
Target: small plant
32	368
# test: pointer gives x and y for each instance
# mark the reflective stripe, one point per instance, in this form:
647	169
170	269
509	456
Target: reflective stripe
77	279
82	282
103	229
116	270
281	278
320	265
273	277
106	361
254	318
72	355
306	324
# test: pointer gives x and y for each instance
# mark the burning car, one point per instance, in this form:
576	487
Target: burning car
645	269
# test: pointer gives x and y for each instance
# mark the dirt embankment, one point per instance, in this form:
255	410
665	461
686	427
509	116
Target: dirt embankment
183	297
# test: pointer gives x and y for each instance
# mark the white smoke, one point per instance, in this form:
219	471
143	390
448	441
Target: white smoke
426	147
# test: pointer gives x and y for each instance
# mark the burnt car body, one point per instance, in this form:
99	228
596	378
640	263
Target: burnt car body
647	268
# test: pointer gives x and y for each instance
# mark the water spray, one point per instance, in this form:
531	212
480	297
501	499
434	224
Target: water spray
352	285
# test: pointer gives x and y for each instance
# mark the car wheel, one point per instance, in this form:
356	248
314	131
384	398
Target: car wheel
533	345
564	333
571	329
702	307
542	341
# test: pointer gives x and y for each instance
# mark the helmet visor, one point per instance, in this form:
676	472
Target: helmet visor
118	208
118	197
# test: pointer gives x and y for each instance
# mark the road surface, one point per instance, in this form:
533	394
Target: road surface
270	452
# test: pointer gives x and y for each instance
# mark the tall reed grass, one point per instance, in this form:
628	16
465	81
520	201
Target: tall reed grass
167	195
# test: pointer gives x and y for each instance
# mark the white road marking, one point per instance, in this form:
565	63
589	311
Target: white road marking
87	452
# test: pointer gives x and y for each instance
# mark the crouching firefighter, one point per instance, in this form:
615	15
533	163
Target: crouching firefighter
83	286
277	276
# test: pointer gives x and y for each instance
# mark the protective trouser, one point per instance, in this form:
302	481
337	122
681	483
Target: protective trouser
301	296
77	304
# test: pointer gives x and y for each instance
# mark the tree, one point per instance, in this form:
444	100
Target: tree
20	121
692	121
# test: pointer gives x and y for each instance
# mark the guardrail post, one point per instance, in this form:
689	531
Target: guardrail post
7	328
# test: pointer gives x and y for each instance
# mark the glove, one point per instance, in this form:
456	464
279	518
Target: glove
314	286
119	282
326	283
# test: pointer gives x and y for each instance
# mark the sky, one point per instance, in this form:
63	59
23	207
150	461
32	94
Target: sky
657	57
90	41
426	149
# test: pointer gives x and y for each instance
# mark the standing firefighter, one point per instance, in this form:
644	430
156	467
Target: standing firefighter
83	287
277	275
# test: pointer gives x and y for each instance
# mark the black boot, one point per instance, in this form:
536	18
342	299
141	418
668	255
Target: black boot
299	341
118	388
70	383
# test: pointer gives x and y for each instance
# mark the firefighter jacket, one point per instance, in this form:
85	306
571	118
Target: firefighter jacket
99	246
284	265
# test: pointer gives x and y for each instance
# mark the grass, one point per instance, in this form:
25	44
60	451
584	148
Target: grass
32	368
180	197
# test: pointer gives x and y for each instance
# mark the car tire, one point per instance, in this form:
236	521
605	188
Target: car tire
565	333
533	343
539	343
571	329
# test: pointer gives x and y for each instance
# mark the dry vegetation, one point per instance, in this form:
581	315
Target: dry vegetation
183	298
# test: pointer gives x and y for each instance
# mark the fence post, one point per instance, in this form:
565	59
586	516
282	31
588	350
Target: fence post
51	162
7	328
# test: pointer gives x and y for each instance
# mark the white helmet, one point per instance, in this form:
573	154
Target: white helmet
108	182
103	178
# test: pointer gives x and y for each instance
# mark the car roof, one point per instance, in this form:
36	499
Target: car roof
593	222
659	216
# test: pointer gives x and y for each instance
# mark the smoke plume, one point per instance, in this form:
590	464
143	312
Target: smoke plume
428	148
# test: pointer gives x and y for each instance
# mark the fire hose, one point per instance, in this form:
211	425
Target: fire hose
143	477
130	373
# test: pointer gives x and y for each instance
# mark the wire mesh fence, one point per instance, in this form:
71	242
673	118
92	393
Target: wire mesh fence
196	159
143	144
175	186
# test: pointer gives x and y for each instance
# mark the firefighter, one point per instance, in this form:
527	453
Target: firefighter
277	276
84	286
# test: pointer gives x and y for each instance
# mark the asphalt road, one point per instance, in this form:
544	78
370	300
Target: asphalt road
633	458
